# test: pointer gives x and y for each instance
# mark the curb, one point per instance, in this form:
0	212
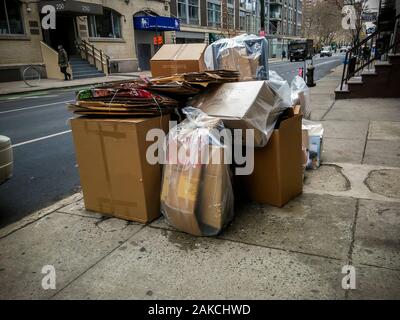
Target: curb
61	88
33	217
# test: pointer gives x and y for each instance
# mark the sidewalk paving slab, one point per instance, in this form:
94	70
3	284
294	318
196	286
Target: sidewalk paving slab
343	150
305	225
70	243
297	227
375	284
365	109
342	129
382	152
377	240
384	130
163	264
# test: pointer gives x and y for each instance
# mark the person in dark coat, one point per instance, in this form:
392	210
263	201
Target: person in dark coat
63	62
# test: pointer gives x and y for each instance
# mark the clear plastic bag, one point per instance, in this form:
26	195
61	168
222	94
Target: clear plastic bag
315	132
246	53
245	105
281	86
197	195
300	95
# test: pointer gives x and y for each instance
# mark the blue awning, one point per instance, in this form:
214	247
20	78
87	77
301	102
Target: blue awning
152	23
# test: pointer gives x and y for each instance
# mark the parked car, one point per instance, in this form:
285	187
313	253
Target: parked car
326	52
343	49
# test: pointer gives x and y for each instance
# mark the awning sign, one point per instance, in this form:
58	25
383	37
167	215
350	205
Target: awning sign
152	23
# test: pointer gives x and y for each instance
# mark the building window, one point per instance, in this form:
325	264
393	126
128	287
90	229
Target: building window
231	18
10	17
193	11
182	10
242	20
188	11
106	26
214	14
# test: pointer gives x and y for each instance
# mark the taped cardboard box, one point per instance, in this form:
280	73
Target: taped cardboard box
178	58
277	176
116	178
244	105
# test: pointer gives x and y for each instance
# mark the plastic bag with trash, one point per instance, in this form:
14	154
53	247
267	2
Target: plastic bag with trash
313	141
300	95
247	54
197	194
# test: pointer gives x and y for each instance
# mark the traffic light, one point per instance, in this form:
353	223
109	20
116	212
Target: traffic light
158	40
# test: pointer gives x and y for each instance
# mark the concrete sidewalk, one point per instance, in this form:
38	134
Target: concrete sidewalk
349	214
15	87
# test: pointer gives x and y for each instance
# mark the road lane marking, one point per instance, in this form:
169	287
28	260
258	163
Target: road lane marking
42	138
326	62
35	107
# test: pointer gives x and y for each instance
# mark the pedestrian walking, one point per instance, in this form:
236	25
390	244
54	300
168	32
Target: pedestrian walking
63	62
283	54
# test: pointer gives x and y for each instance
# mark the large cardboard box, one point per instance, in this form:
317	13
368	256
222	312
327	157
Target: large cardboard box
277	176
178	58
243	105
115	176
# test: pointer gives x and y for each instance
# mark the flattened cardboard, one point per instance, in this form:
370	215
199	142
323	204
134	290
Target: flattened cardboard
178	58
277	175
115	176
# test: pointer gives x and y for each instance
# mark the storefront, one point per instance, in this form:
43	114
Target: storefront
149	35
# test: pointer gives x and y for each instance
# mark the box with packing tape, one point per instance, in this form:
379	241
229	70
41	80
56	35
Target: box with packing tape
115	175
178	58
278	175
197	195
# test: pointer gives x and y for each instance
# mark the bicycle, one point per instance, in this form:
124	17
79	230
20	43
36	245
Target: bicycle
32	75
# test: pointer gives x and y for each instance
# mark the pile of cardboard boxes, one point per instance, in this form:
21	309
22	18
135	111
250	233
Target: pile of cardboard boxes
118	179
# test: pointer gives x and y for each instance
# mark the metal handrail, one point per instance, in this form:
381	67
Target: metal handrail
90	50
354	53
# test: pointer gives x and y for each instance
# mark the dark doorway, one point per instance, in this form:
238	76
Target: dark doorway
64	34
144	55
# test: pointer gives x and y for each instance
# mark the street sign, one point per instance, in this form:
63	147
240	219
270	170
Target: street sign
152	23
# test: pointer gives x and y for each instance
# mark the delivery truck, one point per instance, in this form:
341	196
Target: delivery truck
301	49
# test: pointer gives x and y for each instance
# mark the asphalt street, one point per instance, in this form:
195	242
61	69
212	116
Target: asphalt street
45	169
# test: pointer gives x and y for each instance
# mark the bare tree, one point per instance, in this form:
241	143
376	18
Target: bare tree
323	22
